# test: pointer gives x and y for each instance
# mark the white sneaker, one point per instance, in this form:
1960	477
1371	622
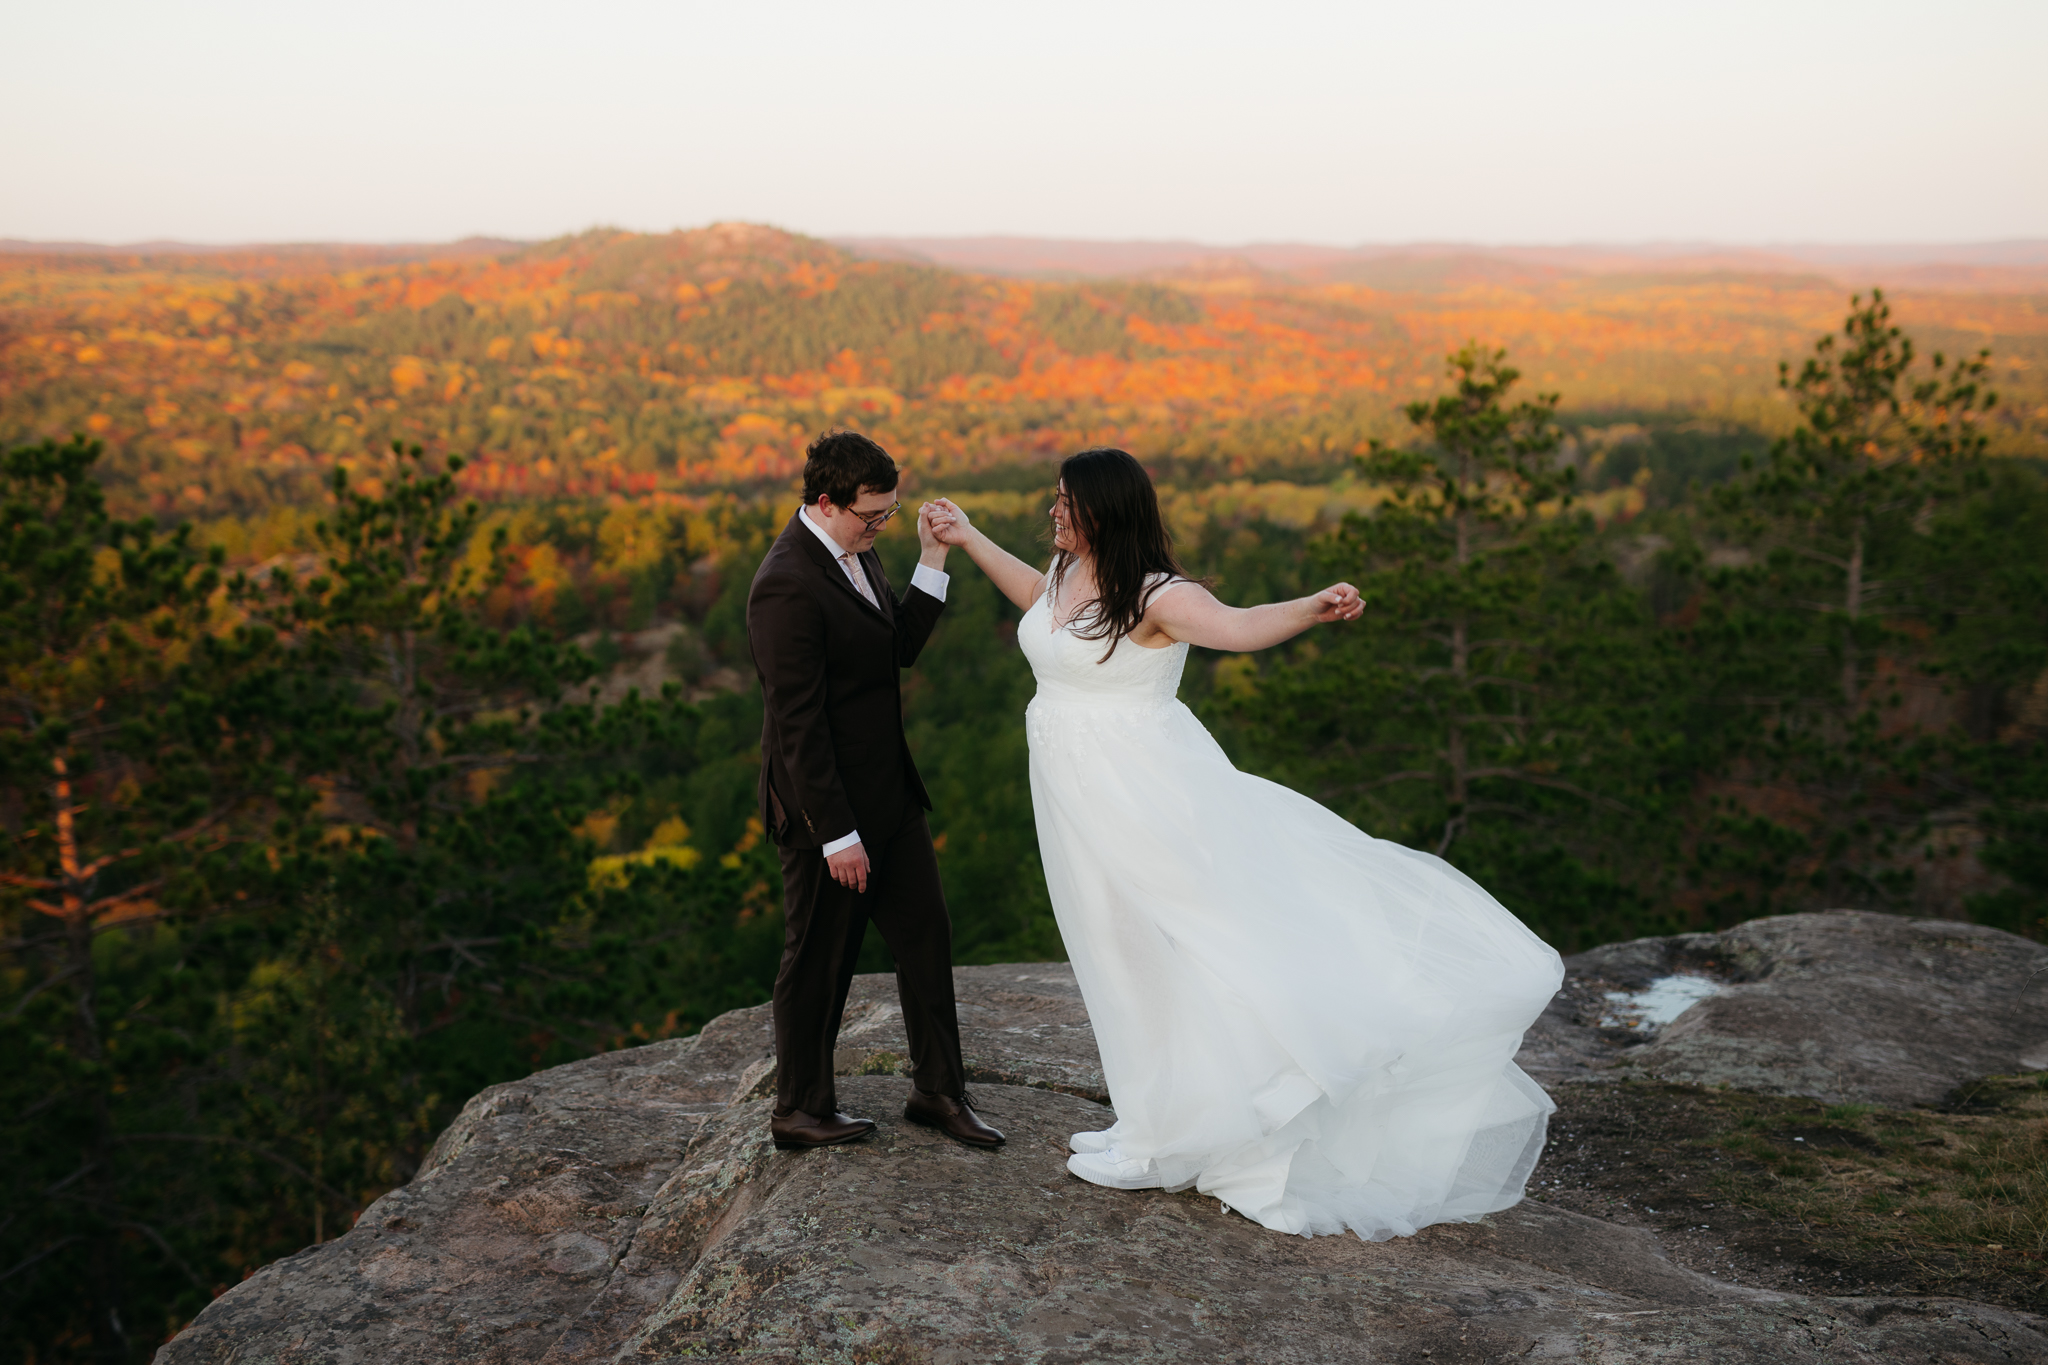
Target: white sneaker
1089	1142
1109	1170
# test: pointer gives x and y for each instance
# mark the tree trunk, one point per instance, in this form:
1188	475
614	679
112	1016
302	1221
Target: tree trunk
103	1255
1461	670
1852	607
1462	525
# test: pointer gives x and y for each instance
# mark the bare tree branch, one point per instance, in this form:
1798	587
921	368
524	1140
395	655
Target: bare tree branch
203	1138
38	989
1538	780
1410	776
50	1250
165	1247
1810	553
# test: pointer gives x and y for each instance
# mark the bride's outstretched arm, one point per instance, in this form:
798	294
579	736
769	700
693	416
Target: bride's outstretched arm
1013	578
1191	612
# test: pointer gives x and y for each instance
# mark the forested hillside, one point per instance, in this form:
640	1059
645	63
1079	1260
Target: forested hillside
378	721
702	360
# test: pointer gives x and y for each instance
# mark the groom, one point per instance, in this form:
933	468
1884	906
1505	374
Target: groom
842	799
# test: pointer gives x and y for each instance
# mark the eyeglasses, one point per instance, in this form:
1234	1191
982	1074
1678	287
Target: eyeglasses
874	521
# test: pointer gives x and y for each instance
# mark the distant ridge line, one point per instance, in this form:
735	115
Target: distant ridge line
1986	264
465	246
2011	266
1150	253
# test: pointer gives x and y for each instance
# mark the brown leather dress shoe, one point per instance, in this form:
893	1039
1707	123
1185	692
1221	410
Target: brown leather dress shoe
796	1129
955	1118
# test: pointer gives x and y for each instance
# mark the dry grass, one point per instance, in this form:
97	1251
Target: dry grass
1962	1191
1840	1198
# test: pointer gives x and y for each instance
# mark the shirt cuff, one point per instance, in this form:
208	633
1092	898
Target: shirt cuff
933	581
848	841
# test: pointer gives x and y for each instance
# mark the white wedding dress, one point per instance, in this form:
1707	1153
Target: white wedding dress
1314	1026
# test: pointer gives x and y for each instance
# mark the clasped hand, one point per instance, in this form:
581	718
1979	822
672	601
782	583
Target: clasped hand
948	524
945	522
934	522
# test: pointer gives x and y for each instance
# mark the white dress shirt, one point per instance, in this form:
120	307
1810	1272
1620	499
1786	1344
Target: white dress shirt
932	581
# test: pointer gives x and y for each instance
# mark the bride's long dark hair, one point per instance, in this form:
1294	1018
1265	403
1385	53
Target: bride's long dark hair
1111	502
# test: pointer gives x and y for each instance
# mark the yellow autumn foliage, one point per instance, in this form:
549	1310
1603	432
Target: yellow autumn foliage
668	844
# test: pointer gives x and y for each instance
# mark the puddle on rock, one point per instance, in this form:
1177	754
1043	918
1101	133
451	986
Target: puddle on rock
1666	998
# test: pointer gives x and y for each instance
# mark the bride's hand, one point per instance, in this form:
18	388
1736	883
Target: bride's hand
1340	602
949	524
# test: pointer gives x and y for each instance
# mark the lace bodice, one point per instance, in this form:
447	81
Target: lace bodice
1068	672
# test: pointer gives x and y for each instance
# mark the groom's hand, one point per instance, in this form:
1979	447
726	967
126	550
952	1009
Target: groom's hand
949	524
849	867
931	546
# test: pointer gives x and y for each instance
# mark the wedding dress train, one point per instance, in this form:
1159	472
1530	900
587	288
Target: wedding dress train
1314	1026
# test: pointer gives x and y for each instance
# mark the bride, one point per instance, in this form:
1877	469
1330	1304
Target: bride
1314	1026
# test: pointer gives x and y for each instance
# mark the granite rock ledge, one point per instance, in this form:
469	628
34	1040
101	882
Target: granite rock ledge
629	1207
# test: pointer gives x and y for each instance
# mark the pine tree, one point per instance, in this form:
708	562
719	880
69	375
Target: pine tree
1480	708
129	789
1806	633
264	922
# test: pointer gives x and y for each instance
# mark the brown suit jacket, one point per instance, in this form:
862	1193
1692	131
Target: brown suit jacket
833	756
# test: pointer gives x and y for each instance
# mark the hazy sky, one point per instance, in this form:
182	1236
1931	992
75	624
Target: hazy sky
1734	121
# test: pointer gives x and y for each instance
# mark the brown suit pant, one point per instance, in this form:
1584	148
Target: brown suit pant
824	924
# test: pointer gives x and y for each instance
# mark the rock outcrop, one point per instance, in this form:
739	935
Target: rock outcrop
630	1208
1848	1007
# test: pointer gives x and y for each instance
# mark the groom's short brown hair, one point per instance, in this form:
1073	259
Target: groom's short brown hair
840	464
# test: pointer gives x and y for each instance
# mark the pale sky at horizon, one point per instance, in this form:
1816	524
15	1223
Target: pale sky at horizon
1588	121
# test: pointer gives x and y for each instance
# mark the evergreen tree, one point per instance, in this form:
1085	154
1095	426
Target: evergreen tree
1482	709
1835	509
129	785
265	921
1810	641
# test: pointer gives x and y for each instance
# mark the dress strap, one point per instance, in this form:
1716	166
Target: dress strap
1158	584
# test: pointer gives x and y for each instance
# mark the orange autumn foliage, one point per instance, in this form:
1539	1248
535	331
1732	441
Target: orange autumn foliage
617	364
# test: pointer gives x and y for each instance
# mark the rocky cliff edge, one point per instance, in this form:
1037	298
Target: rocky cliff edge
630	1208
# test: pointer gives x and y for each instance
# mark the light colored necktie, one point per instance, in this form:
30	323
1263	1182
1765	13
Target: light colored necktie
860	579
